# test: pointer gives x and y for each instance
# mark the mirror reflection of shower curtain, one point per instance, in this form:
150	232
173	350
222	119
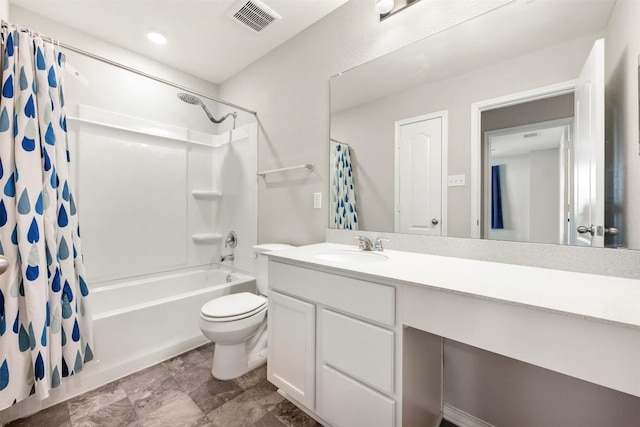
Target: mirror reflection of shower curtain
344	214
496	198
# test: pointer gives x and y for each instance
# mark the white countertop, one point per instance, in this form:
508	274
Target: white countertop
599	298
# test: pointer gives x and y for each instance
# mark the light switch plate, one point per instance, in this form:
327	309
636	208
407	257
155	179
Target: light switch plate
317	200
456	181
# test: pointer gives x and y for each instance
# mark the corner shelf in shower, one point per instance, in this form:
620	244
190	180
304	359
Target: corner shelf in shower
206	194
206	238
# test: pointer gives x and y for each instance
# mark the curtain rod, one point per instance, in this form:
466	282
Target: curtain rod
133	70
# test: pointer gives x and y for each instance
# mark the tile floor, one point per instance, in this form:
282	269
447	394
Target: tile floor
179	393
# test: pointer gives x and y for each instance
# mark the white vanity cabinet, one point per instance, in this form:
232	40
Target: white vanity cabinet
378	325
353	347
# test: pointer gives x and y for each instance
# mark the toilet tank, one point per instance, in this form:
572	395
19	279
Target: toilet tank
261	263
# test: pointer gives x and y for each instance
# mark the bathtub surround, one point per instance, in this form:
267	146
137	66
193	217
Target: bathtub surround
44	291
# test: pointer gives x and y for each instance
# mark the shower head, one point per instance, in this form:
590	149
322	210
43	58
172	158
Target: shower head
194	100
189	99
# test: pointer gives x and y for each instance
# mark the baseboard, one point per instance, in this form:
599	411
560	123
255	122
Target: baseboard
462	419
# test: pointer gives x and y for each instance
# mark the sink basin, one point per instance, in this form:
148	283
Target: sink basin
351	256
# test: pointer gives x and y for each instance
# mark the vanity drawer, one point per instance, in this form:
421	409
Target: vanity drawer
347	403
362	350
368	300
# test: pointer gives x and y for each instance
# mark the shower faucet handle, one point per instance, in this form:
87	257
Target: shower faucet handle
231	240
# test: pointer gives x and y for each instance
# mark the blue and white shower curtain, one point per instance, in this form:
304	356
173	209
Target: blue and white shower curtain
45	322
343	196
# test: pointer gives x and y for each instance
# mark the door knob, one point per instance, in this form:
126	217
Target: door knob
612	230
584	230
435	221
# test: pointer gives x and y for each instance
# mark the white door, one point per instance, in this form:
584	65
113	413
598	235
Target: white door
419	207
587	214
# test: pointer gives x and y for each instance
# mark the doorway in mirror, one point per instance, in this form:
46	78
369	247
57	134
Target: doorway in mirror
526	177
582	189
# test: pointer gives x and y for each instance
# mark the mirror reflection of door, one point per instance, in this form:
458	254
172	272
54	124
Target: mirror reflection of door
420	147
588	226
582	187
526	172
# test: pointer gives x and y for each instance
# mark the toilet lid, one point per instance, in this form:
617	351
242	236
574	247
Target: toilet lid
233	305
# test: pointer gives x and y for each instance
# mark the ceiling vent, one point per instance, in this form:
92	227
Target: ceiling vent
253	14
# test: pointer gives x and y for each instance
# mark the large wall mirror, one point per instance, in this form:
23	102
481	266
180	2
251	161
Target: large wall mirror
520	124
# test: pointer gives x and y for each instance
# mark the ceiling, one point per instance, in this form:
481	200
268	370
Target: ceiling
202	39
517	143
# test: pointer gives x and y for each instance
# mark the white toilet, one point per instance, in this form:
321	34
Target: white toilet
237	324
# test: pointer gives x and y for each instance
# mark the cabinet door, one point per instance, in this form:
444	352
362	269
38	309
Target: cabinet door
291	355
348	403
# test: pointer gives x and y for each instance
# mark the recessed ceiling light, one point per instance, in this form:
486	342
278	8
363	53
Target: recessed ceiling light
156	37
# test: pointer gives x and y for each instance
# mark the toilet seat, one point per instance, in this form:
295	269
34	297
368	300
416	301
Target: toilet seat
233	307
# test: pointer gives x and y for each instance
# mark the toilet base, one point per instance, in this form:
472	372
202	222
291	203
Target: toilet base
231	361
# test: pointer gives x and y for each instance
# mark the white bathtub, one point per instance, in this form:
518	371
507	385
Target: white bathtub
139	323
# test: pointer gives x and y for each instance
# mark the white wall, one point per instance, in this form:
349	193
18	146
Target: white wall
289	87
544	209
4	10
530	197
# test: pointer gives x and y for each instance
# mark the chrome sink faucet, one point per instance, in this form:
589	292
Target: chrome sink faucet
365	243
378	245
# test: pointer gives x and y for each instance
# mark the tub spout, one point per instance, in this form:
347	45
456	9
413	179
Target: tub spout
224	258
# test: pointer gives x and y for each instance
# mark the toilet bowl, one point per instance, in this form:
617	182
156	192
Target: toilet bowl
237	324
